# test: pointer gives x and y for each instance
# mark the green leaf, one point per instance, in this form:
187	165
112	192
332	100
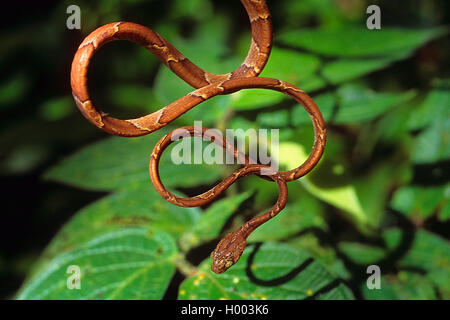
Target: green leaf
134	96
275	119
417	201
361	253
343	197
249	99
303	214
359	104
291	66
444	215
270	262
404	286
117	162
428	252
360	42
207	50
13	90
361	199
127	264
212	221
312	242
436	102
136	206
346	69
57	108
433	144
196	9
326	103
297	68
24	158
168	88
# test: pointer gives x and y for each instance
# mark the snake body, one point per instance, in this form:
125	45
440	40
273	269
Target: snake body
207	85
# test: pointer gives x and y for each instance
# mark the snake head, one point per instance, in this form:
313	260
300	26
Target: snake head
227	252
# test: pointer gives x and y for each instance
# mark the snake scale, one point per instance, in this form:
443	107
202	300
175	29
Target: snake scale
207	85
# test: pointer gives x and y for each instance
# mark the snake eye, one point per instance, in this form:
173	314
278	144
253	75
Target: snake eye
228	264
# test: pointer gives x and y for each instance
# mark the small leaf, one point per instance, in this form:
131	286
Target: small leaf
433	144
346	69
436	102
57	108
417	201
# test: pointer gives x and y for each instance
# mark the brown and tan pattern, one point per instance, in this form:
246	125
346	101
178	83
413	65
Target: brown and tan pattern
207	85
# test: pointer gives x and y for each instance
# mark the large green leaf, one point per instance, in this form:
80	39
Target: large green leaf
360	104
274	271
127	264
360	42
117	163
136	206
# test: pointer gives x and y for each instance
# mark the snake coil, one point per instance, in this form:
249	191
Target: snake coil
208	85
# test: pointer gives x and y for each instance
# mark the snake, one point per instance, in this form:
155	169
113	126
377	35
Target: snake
207	85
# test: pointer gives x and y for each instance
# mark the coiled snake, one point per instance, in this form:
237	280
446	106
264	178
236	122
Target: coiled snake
207	85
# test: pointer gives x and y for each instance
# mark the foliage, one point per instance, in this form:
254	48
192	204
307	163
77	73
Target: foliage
378	196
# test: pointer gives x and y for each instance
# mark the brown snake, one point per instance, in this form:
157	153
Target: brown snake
208	85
